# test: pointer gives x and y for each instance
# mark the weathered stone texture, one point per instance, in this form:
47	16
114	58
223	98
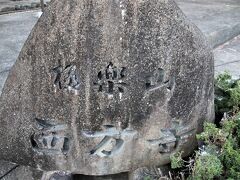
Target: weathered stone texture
103	87
11	171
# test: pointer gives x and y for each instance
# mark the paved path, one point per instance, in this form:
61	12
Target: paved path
219	20
227	57
9	5
14	30
19	5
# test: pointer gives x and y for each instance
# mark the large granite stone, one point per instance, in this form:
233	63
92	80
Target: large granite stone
104	87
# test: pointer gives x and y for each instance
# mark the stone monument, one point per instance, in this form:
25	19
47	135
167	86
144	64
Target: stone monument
105	87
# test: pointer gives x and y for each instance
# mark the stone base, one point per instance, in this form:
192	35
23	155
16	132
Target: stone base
121	176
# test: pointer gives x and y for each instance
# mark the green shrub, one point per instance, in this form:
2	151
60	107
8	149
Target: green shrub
231	149
220	155
207	166
226	142
212	135
176	160
147	178
227	93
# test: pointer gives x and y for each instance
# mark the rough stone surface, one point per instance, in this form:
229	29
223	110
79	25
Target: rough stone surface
14	30
104	87
11	171
209	16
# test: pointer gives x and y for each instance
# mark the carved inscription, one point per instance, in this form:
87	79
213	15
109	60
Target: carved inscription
50	137
66	78
111	80
173	137
112	142
158	80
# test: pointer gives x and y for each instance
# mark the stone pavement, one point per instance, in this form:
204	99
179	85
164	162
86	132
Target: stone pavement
227	57
14	30
219	20
19	5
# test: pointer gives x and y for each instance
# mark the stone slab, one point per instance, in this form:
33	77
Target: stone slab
219	20
7	6
227	57
14	30
119	83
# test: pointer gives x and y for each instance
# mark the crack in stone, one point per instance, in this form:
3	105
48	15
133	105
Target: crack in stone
9	171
